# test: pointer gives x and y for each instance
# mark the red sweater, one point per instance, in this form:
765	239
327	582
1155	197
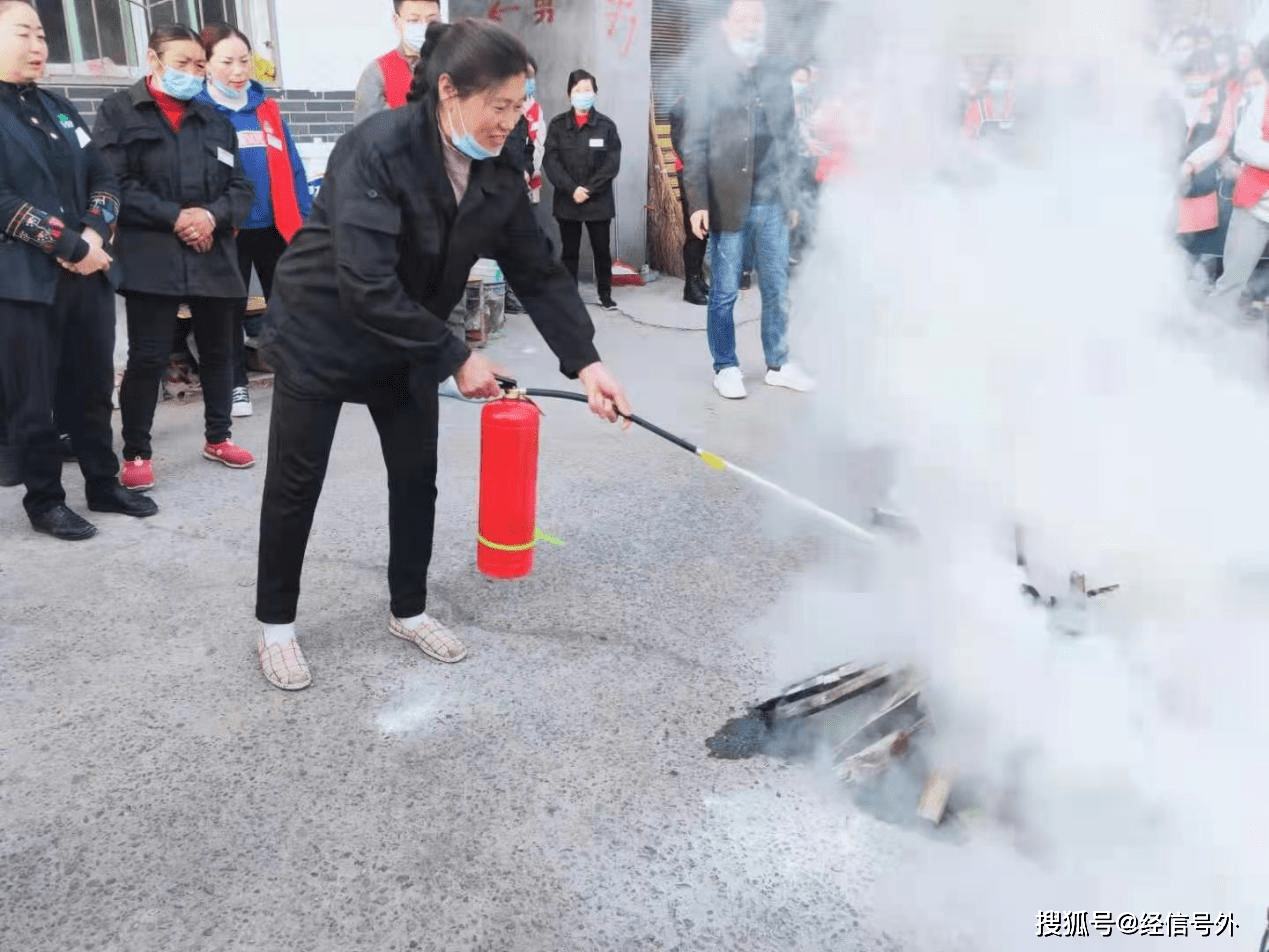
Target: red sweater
173	109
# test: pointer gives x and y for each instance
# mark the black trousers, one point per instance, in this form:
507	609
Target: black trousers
301	432
67	347
600	245
260	248
693	248
151	325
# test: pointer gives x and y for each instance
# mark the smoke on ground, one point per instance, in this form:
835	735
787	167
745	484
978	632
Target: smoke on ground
1015	335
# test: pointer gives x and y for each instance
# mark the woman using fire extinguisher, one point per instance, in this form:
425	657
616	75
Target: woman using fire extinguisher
410	200
272	162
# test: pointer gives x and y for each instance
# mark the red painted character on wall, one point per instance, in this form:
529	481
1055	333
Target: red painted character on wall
543	12
498	10
622	18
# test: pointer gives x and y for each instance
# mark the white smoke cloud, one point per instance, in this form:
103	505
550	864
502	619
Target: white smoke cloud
1025	350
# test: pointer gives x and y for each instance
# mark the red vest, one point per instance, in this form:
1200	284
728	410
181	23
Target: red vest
1253	183
286	207
398	74
982	111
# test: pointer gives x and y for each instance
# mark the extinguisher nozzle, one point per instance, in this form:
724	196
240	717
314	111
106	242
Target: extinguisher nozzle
712	461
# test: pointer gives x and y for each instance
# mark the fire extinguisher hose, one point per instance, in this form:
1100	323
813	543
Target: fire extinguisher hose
712	460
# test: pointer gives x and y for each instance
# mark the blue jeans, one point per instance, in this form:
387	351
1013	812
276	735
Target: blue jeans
768	226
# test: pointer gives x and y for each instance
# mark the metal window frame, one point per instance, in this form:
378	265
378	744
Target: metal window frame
139	15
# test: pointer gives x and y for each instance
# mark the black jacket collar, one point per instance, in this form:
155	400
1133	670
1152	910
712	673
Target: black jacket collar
18	133
16	89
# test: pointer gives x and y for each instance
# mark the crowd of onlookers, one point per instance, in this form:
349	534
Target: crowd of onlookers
194	184
1212	106
1215	107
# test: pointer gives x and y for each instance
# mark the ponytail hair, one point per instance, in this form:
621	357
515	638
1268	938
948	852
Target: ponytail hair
475	54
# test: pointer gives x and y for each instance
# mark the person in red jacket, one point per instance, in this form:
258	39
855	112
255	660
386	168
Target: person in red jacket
1248	232
385	83
1208	113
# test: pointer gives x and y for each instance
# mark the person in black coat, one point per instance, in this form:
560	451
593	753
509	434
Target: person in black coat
695	287
583	156
58	205
410	200
184	196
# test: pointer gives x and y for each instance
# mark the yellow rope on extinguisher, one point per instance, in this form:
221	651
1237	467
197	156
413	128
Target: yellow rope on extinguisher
538	536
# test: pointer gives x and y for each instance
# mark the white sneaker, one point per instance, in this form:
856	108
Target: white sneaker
730	383
241	406
791	377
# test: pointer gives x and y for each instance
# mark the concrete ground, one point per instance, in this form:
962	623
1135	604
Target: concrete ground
552	792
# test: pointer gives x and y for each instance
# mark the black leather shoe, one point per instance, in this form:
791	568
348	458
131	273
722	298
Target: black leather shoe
117	499
746	281
61	523
695	292
10	467
68	451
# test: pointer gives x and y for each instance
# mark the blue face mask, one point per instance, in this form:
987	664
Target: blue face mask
530	87
466	142
178	85
583	102
228	91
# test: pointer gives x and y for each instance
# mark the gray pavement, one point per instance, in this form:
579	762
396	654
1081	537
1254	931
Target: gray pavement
552	792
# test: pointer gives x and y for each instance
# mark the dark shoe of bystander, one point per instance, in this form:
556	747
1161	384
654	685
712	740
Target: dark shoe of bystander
695	291
61	523
10	467
115	498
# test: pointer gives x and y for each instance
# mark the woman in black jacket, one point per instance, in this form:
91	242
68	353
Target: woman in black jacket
583	156
58	205
184	195
410	200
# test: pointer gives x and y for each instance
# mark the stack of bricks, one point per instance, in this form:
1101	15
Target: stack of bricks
326	115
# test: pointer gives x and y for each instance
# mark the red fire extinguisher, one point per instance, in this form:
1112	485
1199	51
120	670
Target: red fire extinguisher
508	487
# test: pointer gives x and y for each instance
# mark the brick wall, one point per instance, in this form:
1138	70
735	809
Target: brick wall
310	115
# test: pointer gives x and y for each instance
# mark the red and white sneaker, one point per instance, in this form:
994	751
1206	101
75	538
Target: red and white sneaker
137	475
235	457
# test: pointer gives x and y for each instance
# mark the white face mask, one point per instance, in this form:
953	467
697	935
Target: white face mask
749	51
415	35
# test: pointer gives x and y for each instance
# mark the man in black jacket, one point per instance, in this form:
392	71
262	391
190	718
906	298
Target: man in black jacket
58	204
740	158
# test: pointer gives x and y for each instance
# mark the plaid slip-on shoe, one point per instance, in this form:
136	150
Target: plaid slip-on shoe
284	665
434	639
